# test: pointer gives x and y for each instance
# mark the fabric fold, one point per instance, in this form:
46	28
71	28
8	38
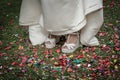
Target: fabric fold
59	17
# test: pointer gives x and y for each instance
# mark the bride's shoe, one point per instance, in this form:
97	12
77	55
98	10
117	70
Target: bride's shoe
50	42
70	47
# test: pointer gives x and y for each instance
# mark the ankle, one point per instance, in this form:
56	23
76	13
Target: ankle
72	38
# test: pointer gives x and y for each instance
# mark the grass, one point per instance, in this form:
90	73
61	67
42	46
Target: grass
19	60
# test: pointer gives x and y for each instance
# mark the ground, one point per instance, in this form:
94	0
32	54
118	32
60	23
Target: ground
19	60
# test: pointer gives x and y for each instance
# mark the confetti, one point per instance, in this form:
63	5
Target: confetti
20	60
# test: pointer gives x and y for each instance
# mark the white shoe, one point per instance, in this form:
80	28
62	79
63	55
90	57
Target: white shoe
50	43
71	47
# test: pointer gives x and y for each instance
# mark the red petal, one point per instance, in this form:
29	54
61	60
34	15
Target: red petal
58	50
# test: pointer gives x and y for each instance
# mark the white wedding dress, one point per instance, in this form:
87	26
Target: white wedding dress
60	17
